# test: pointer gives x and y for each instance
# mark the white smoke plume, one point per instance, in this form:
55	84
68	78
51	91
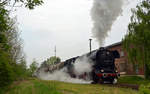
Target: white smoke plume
81	66
60	75
104	13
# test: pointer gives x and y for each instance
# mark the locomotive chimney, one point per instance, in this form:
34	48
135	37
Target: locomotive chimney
90	40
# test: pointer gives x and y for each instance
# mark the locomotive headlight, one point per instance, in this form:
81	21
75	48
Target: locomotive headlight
102	70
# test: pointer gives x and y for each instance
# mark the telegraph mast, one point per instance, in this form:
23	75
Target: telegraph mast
55	51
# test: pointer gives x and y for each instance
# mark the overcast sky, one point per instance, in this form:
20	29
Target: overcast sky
66	24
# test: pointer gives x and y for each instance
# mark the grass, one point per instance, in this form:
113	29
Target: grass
35	86
133	80
68	88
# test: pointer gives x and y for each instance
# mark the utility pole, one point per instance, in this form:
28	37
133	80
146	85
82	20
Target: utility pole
55	51
90	40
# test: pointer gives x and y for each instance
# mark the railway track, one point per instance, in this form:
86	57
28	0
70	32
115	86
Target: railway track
132	86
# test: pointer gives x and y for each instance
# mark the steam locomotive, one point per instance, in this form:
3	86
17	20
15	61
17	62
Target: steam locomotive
103	69
103	66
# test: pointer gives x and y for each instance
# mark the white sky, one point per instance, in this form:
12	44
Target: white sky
66	24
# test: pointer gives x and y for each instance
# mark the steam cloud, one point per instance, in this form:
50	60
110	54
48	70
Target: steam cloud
104	13
81	65
60	75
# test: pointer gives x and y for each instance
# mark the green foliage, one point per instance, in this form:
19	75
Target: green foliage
21	71
27	3
144	89
12	64
4	27
3	20
6	73
50	61
137	40
53	60
32	3
33	67
133	80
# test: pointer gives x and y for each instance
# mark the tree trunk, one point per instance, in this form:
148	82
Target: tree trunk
147	72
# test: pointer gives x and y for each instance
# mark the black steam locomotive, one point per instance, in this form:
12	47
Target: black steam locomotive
103	69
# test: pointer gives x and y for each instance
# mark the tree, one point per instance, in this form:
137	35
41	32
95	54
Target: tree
27	3
4	27
6	72
33	67
53	60
21	71
15	41
137	40
12	66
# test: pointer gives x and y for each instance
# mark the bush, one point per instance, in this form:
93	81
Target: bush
20	72
6	73
144	89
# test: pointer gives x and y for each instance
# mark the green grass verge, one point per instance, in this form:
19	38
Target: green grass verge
2	90
133	80
35	86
